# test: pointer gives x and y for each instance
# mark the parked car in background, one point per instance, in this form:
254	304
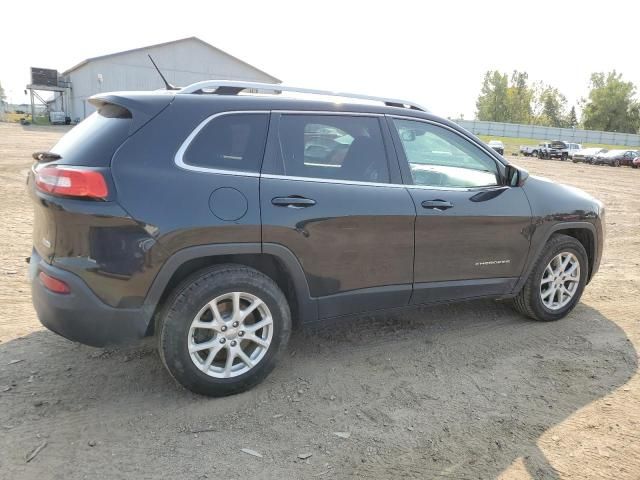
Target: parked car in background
532	150
497	145
587	155
573	148
616	158
558	149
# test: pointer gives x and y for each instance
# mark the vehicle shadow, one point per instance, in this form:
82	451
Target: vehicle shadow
458	391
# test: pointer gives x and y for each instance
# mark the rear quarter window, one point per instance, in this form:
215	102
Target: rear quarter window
229	142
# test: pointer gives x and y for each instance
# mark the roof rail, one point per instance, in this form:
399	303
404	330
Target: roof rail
232	87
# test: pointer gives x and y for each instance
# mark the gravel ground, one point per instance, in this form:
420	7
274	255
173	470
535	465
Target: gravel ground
463	391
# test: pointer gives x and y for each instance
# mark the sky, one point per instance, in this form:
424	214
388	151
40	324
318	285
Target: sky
434	53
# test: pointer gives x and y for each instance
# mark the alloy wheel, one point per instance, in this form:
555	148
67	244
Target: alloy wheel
560	281
230	335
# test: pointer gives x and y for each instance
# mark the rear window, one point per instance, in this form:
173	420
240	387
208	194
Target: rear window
230	142
94	140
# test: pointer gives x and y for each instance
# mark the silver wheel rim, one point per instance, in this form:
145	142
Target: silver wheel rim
560	281
230	335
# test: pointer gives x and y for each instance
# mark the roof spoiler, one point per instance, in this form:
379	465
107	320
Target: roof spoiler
141	107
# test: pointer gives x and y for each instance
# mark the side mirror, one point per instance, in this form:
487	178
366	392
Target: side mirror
514	176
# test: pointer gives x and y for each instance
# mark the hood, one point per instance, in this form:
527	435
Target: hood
558	202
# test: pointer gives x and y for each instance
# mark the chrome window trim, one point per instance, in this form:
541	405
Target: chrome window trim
331	180
375	184
179	156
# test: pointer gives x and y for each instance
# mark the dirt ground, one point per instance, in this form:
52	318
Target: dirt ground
463	391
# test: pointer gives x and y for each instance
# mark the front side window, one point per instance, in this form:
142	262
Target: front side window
438	157
230	142
336	147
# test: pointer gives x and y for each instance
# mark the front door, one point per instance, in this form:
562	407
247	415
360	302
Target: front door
472	233
328	194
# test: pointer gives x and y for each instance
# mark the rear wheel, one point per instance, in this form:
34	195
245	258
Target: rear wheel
223	329
564	157
556	282
616	163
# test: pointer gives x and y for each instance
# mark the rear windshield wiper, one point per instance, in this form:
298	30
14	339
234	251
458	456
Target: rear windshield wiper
46	156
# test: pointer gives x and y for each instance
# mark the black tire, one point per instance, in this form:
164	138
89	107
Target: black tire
564	157
190	297
528	301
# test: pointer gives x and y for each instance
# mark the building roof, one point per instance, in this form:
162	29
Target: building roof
84	62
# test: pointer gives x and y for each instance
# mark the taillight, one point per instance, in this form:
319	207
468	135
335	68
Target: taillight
53	284
71	182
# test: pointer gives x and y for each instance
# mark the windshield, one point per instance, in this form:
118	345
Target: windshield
613	153
590	151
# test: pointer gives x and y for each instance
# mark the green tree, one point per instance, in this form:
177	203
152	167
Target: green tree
519	97
611	105
554	105
493	104
505	99
572	120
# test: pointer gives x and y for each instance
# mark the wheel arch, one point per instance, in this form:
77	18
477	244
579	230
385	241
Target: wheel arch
584	232
587	238
275	261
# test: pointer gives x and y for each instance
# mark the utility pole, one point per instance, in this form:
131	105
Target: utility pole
33	108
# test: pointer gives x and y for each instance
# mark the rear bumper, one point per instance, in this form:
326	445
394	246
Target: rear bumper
80	315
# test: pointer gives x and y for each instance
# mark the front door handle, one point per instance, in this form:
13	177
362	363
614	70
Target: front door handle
437	204
293	202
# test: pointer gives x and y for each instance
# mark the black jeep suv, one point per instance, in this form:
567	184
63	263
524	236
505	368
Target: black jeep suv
215	219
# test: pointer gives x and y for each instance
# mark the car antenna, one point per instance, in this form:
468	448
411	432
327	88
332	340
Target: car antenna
167	84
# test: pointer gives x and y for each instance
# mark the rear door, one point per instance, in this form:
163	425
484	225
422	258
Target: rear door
330	195
471	233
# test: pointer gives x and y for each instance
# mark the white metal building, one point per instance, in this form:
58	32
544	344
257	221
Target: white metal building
182	62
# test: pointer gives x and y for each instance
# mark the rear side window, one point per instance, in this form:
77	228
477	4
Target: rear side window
93	141
339	147
230	142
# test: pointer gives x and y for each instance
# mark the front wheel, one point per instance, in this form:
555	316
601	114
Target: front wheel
223	329
557	280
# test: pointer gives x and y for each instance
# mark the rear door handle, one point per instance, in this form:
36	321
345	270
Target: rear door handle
293	202
437	204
